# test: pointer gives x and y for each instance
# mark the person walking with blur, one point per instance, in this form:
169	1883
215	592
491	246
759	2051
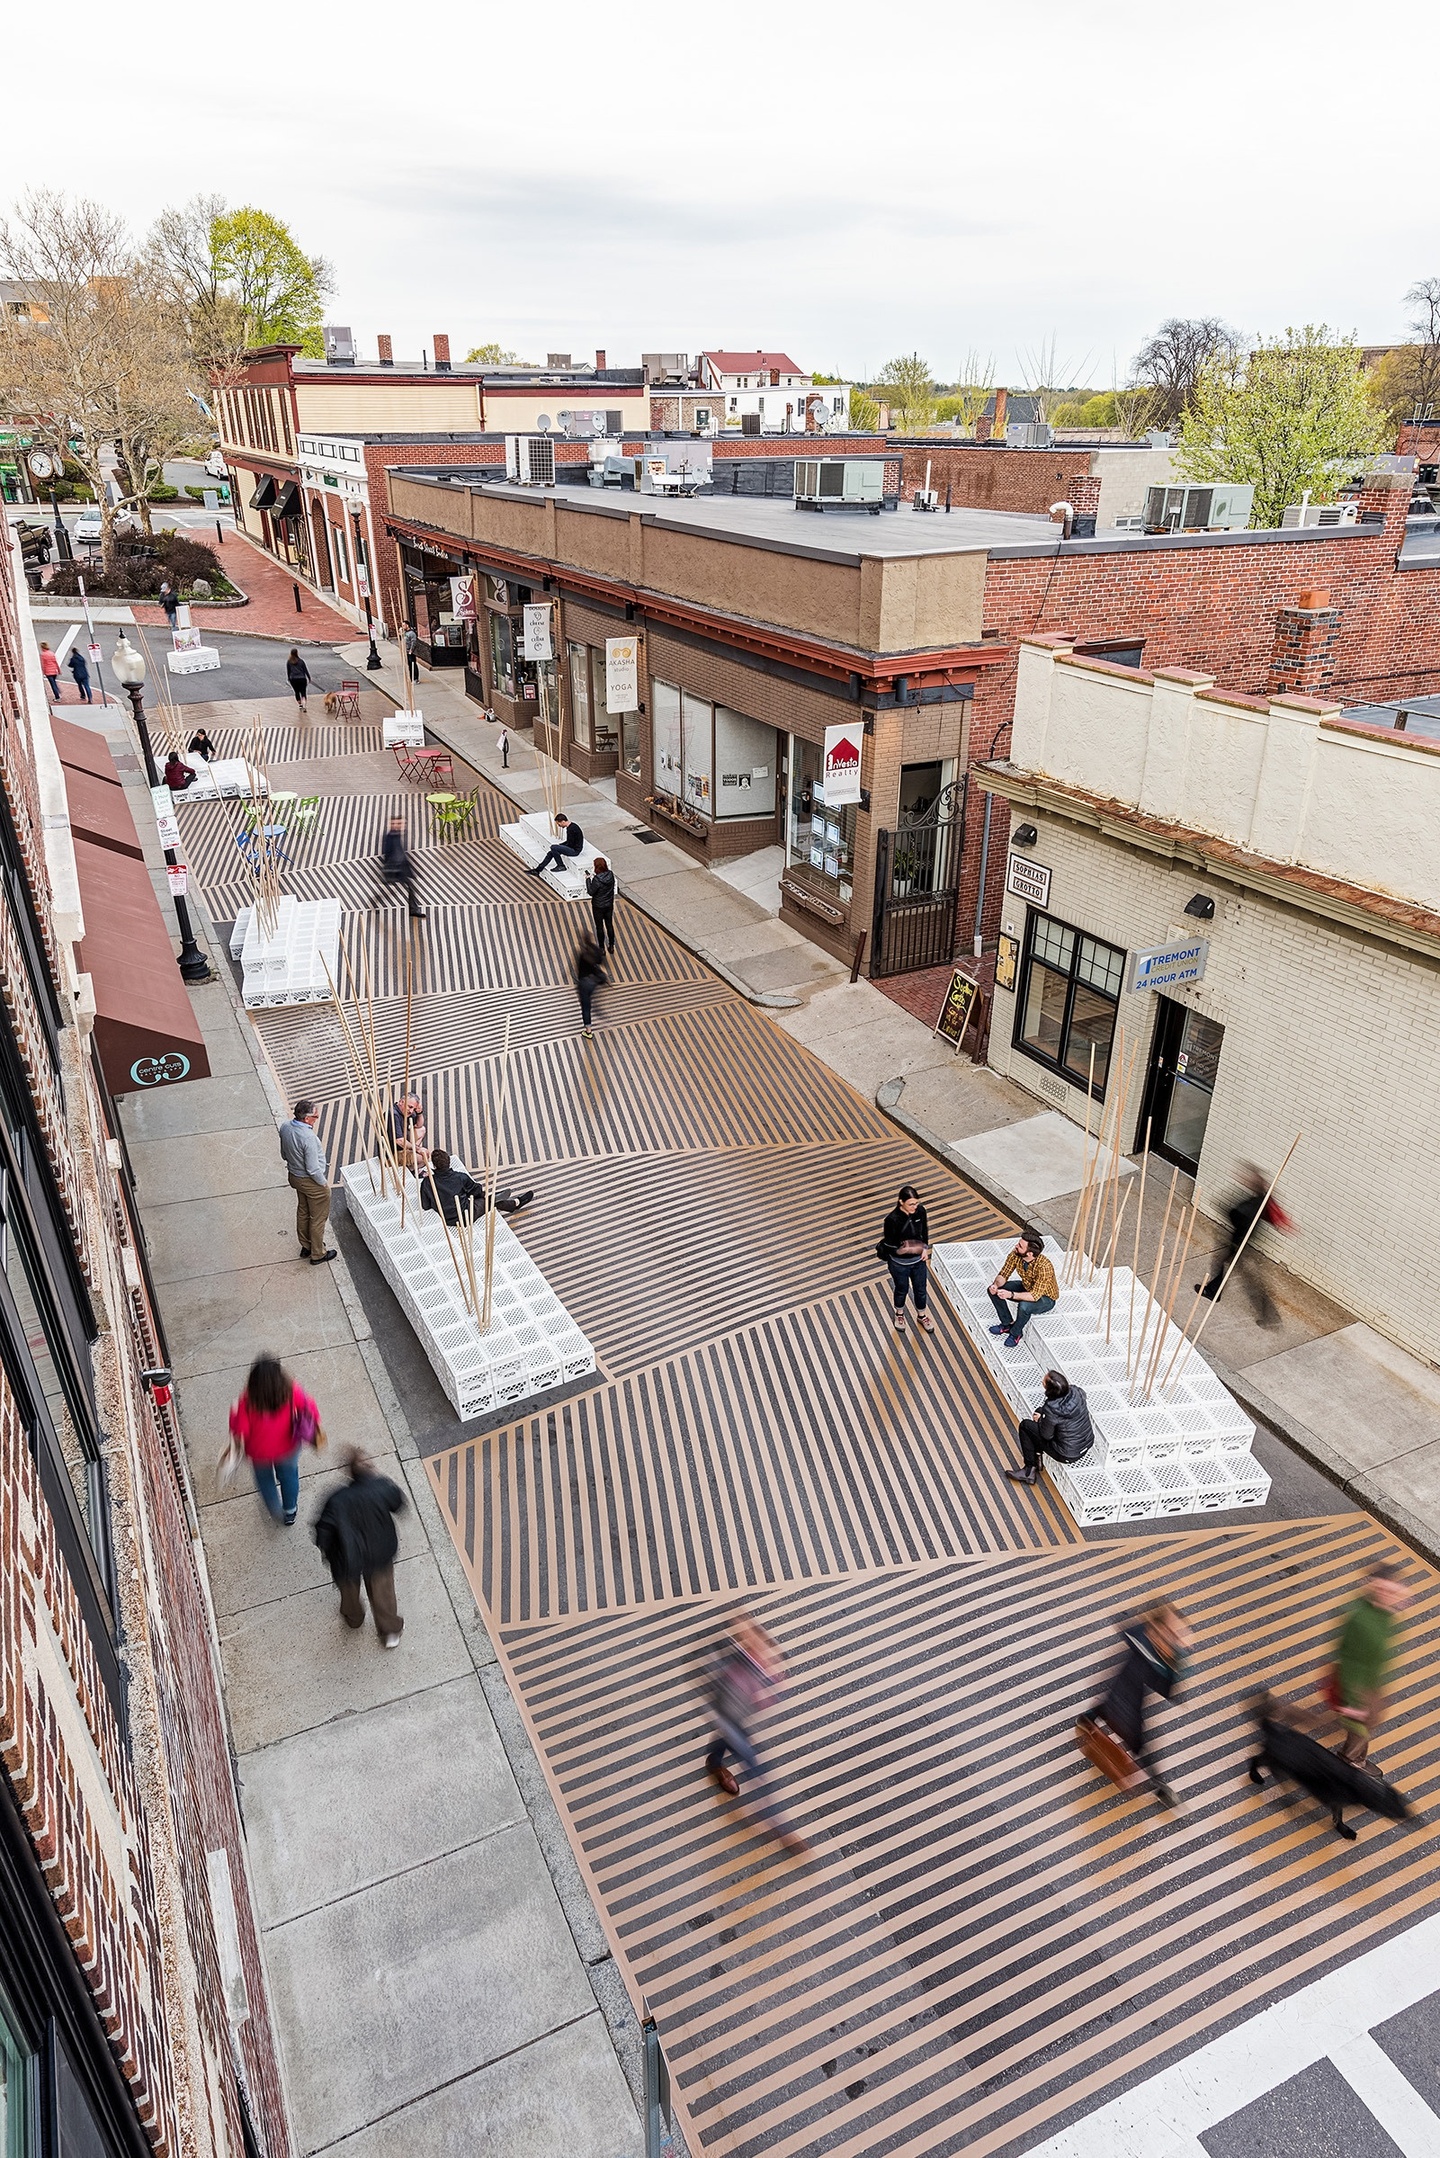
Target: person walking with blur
170	601
397	866
502	743
745	1680
1060	1427
590	976
600	886
1153	1662
1247	1209
50	668
356	1535
309	1174
1024	1287
905	1247
270	1423
1364	1652
297	674
410	640
80	668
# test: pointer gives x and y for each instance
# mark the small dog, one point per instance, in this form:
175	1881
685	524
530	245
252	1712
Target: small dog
332	703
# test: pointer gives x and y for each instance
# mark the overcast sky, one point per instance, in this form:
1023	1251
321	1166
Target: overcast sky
844	184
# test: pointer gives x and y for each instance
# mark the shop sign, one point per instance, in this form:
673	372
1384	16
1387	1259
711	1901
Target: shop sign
958	1009
178	877
166	823
185	640
1007	960
537	644
1169	966
842	764
1028	880
622	674
462	598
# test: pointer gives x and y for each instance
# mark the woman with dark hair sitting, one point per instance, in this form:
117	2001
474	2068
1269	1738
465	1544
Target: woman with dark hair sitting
270	1422
905	1248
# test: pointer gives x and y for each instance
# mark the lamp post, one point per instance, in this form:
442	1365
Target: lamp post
128	666
362	568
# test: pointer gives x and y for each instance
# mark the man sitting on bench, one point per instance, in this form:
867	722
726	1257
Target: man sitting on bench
566	848
1024	1287
454	1187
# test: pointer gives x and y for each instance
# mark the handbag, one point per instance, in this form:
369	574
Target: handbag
1109	1753
305	1426
884	1253
227	1468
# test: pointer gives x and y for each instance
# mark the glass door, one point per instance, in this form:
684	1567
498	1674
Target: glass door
1184	1064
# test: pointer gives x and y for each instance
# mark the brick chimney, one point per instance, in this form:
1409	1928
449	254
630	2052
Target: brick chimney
386	350
442	354
1386	495
1082	491
1307	637
600	359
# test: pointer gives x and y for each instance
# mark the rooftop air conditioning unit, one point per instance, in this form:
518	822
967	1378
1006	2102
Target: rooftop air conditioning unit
530	460
1225	508
835	483
339	345
1319	513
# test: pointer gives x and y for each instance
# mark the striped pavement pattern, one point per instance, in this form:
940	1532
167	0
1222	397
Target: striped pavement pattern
987	1937
345	828
777	1453
507	947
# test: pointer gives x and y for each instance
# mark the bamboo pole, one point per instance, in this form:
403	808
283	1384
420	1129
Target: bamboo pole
1117	1214
1172	1283
1135	1260
1095	1219
493	1164
1156	1272
449	1240
409	1000
1110	1259
1066	1270
1239	1254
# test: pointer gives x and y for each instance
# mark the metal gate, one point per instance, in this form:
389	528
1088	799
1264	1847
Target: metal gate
917	887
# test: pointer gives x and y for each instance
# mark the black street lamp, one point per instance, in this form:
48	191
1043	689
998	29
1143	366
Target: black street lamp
128	667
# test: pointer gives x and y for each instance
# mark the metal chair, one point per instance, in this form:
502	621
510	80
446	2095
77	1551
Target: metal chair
306	809
348	706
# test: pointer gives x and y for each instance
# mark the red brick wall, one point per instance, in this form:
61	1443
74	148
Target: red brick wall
983	479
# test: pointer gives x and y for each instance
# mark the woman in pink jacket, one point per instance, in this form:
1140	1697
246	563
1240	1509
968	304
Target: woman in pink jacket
271	1421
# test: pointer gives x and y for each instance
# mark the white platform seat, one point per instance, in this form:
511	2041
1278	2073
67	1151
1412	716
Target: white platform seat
532	836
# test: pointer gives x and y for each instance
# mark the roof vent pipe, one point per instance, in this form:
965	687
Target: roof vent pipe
1065	512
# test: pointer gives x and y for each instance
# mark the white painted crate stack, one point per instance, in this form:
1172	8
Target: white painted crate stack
531	837
532	1342
290	966
1185	1451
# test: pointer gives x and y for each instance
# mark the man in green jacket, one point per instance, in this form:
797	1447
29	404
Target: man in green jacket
1363	1655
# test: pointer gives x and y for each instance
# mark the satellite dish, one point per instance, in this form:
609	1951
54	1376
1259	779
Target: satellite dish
598	423
543	422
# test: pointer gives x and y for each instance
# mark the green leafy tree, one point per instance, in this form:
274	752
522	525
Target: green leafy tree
969	396
907	388
864	411
493	355
280	290
1294	413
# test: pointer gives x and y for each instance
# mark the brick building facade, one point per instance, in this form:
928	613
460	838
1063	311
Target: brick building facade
133	2001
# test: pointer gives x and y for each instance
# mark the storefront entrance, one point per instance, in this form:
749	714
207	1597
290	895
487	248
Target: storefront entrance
1183	1066
917	876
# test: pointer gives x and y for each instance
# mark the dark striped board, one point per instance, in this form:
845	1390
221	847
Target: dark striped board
986	1939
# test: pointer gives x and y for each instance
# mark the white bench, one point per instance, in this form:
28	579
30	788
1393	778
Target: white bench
532	837
200	659
227	777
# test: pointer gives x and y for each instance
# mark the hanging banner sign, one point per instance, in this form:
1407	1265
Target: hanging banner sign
462	598
842	764
622	674
537	643
165	820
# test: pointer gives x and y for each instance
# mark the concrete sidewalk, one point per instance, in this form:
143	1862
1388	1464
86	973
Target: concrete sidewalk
441	1981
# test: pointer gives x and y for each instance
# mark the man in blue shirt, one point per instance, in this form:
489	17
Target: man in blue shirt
304	1158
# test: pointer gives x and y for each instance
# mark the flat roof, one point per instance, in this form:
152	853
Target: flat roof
774	522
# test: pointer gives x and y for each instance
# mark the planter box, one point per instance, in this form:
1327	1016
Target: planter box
531	1344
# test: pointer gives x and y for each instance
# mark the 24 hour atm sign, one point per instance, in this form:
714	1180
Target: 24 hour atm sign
1169	966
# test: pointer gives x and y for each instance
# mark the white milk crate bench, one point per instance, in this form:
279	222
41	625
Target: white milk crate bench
289	967
200	659
532	1342
1186	1450
532	837
227	777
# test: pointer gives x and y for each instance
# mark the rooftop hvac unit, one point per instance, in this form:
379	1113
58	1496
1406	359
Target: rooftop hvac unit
1319	513
839	483
339	345
1199	509
530	459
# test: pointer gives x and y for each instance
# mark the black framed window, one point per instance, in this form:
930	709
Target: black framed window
1069	995
19	2094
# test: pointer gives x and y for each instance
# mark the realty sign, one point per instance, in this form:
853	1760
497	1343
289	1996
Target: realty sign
842	764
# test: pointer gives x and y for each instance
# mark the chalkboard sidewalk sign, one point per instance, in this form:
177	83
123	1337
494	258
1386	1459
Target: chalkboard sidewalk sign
961	999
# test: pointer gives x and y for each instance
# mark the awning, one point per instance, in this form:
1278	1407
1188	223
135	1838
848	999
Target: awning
264	495
287	502
98	810
146	1030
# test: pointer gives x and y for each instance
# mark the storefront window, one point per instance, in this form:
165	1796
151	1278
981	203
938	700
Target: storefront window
665	733
696	724
820	842
609	725
744	765
1069	995
19	2128
630	743
579	656
502	654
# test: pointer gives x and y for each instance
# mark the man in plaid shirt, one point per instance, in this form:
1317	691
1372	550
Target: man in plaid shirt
1024	1285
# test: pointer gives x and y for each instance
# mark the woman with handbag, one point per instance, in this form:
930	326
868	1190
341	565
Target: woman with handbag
905	1247
270	1423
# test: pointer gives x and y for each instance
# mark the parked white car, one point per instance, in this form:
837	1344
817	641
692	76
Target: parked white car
87	525
215	465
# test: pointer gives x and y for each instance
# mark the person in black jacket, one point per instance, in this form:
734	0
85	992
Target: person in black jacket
1060	1427
905	1247
566	847
397	865
590	975
355	1530
600	884
297	674
200	745
1153	1662
454	1187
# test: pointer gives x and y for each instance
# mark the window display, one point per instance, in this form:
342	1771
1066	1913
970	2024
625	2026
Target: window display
579	656
820	841
502	654
744	765
665	736
718	762
697	752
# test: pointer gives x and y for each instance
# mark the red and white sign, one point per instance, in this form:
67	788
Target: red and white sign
179	879
462	598
842	764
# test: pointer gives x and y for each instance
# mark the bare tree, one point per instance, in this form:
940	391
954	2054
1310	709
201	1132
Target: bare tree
1424	298
1135	409
967	400
1172	361
1041	370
